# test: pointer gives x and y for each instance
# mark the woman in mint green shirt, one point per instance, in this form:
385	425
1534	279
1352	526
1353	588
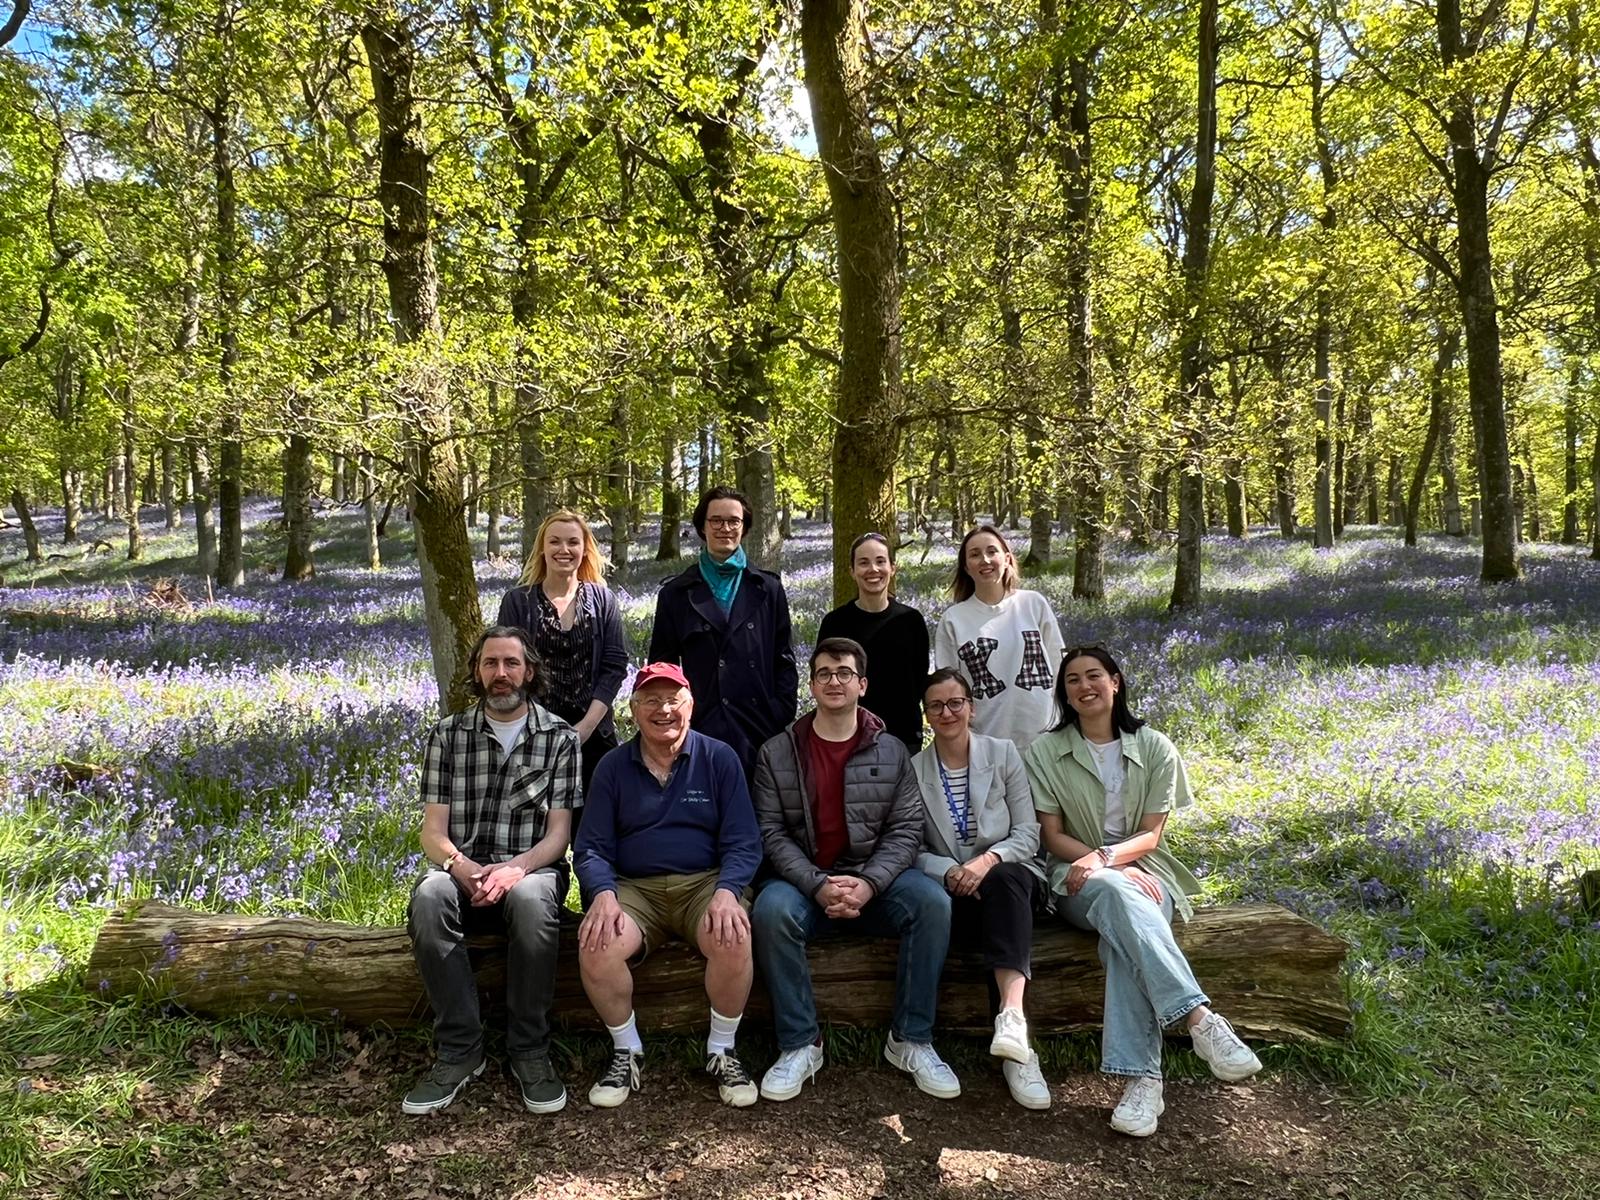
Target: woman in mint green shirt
1103	783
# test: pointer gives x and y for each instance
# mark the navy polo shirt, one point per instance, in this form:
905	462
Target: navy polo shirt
700	820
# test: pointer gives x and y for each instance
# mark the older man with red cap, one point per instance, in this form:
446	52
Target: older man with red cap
668	847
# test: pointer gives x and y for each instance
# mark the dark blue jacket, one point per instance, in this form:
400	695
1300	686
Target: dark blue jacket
609	659
635	828
741	666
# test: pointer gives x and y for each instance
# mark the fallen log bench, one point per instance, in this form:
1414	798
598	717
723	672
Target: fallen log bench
1275	975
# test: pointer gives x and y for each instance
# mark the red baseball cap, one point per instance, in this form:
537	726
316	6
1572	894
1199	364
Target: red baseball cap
651	672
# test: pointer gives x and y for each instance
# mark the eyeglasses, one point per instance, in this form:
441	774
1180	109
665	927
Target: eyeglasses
827	675
954	707
724	522
660	703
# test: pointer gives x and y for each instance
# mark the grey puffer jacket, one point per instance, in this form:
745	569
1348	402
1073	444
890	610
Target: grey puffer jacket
882	809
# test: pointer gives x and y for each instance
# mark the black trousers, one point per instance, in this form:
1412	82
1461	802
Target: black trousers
998	920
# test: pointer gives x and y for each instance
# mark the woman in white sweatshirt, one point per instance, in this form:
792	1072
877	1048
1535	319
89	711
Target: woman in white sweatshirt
1005	641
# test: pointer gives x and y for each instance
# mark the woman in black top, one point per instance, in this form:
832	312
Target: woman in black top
576	625
894	635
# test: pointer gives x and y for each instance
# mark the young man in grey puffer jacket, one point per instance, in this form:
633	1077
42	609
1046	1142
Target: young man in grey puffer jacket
841	821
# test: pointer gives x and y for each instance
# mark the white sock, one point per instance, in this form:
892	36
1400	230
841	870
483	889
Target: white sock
626	1036
723	1031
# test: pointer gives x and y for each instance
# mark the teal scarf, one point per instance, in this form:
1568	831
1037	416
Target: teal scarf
723	577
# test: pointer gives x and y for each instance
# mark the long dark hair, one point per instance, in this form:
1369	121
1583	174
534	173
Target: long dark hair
962	585
1122	718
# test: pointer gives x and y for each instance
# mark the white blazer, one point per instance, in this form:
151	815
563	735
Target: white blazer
998	800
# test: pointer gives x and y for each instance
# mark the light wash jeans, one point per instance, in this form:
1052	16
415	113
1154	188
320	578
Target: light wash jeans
1148	981
914	908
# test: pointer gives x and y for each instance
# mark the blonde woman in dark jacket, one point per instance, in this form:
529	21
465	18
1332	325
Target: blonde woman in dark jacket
840	818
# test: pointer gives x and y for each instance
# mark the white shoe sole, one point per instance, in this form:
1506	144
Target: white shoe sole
738	1097
1036	1104
1139	1130
547	1106
1234	1074
422	1110
772	1093
895	1060
608	1097
1017	1052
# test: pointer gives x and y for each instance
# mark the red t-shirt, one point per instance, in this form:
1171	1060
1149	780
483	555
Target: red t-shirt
825	764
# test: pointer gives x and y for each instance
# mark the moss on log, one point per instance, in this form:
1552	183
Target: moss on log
1275	975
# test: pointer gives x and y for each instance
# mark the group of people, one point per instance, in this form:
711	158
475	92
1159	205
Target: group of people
747	833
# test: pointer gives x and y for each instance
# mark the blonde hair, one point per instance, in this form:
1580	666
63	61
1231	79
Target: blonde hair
594	565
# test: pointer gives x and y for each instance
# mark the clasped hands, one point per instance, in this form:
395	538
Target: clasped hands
844	896
1083	868
963	878
485	885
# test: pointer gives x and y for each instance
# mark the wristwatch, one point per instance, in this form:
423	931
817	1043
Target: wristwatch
1106	853
450	862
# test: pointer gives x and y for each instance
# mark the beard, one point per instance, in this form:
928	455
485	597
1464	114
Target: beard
505	702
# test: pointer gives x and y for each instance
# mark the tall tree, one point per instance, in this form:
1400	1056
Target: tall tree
451	606
868	399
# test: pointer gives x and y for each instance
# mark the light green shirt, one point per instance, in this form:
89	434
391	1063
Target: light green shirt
1062	776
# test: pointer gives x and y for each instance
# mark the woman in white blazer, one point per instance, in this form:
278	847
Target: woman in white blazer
981	841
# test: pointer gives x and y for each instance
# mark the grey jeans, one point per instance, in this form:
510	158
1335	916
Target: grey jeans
439	920
1148	981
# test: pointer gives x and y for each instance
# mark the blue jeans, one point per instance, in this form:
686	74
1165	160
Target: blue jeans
1148	981
914	908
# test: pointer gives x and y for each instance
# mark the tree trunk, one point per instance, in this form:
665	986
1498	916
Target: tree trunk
1322	339
866	438
297	490
205	521
1444	358
230	473
30	532
452	609
667	548
1193	383
617	506
71	503
1233	491
1450	494
1276	975
1594	490
130	478
169	484
492	499
1339	446
1569	505
1535	523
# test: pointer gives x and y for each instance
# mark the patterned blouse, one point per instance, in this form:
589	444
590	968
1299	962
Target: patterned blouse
566	655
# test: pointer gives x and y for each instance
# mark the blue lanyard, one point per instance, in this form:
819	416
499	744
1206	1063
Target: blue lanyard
961	817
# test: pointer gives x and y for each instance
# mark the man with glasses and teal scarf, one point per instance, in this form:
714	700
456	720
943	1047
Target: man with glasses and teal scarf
727	624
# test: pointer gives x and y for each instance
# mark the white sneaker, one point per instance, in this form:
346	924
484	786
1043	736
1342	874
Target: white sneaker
1217	1043
788	1075
1026	1082
1010	1036
922	1062
1141	1103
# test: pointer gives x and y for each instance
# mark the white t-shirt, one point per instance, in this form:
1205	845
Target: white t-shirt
1108	765
1009	653
509	732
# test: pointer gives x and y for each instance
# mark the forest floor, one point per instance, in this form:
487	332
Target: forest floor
1377	742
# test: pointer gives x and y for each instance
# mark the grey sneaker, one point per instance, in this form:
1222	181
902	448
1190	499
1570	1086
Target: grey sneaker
440	1086
542	1089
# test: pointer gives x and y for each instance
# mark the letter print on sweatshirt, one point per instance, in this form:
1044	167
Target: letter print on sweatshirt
974	657
1035	670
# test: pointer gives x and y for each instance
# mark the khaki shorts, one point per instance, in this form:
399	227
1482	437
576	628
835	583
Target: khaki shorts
663	905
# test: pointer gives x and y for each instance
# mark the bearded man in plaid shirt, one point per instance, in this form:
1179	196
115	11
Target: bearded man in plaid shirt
499	783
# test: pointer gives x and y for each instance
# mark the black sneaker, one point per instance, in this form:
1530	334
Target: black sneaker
621	1077
542	1089
734	1084
439	1088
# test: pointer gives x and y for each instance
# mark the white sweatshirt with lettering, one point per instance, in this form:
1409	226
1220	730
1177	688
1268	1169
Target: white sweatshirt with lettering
1009	653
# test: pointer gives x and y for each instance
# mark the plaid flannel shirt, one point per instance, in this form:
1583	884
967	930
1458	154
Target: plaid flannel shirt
499	802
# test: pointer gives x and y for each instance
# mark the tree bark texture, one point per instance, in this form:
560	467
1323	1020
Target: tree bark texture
169	484
866	440
30	532
1322	339
230	473
667	548
297	489
130	478
1276	975
1569	442
1444	358
1193	382
452	610
205	519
